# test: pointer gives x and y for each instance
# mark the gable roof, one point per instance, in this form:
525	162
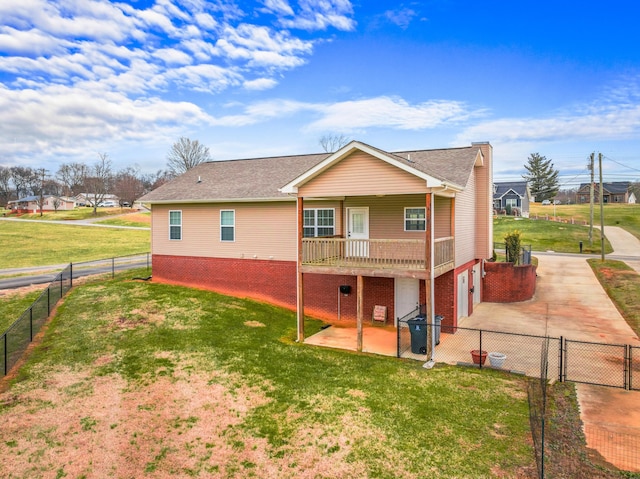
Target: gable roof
518	187
274	178
619	187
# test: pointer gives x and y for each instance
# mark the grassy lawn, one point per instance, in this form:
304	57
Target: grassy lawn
614	214
79	213
140	379
548	235
14	303
132	219
622	284
32	244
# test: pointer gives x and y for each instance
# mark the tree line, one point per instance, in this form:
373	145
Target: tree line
99	179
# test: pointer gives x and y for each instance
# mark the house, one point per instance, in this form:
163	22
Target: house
512	196
332	235
87	199
614	192
30	204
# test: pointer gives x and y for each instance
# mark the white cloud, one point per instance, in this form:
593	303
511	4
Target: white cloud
349	116
322	14
401	17
278	6
260	84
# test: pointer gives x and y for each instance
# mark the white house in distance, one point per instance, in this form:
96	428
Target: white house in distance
29	204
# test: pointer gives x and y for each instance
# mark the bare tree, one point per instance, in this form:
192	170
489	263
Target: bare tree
185	154
38	188
155	180
23	179
100	181
128	185
331	143
5	185
72	176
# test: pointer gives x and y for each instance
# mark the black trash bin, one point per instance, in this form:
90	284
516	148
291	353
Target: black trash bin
418	330
437	326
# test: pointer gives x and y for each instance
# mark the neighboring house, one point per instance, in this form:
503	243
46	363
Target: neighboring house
87	199
29	204
614	192
510	195
632	198
332	235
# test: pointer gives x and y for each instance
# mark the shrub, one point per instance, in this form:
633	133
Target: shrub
512	243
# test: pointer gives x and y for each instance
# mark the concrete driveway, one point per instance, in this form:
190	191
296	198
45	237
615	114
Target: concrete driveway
570	302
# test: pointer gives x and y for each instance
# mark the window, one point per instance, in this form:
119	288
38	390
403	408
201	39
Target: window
227	225
415	219
511	202
175	225
319	222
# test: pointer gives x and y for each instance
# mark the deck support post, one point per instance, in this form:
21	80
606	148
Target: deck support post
359	310
428	240
300	276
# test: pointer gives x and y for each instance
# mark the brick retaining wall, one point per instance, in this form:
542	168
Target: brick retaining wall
506	283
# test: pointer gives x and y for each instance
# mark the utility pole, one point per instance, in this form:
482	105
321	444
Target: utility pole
590	166
601	208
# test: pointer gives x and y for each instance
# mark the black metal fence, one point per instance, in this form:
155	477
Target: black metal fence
585	362
14	342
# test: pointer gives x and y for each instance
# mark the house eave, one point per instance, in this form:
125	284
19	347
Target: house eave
217	200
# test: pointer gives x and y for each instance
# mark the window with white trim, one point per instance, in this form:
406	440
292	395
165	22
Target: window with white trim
227	225
415	219
511	202
319	222
175	225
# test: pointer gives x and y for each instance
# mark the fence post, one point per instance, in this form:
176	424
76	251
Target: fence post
627	366
70	275
48	301
398	338
113	268
61	283
30	323
481	349
561	360
5	354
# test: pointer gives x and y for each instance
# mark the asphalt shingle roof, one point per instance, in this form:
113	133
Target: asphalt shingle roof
260	178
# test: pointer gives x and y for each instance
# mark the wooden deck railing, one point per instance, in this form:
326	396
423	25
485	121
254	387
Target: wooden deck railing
374	253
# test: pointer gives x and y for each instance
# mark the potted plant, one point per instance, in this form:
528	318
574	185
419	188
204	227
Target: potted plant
479	357
497	359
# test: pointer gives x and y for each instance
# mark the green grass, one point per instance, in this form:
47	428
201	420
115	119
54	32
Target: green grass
548	235
13	304
623	215
79	213
140	220
622	284
33	244
380	417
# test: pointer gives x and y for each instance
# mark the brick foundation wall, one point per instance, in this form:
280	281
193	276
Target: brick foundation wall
275	282
444	301
506	283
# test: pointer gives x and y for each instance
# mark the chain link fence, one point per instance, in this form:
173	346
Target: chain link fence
14	342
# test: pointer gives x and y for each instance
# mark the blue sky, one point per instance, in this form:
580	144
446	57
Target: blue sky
270	77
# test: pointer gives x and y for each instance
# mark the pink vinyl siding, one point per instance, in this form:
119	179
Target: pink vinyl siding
386	215
262	231
442	217
484	203
465	218
361	174
266	231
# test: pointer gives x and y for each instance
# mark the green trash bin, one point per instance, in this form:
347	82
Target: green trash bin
418	330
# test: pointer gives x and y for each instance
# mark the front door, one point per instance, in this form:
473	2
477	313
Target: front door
358	232
407	293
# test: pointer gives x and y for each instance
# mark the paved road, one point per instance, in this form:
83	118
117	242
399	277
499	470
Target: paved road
85	222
